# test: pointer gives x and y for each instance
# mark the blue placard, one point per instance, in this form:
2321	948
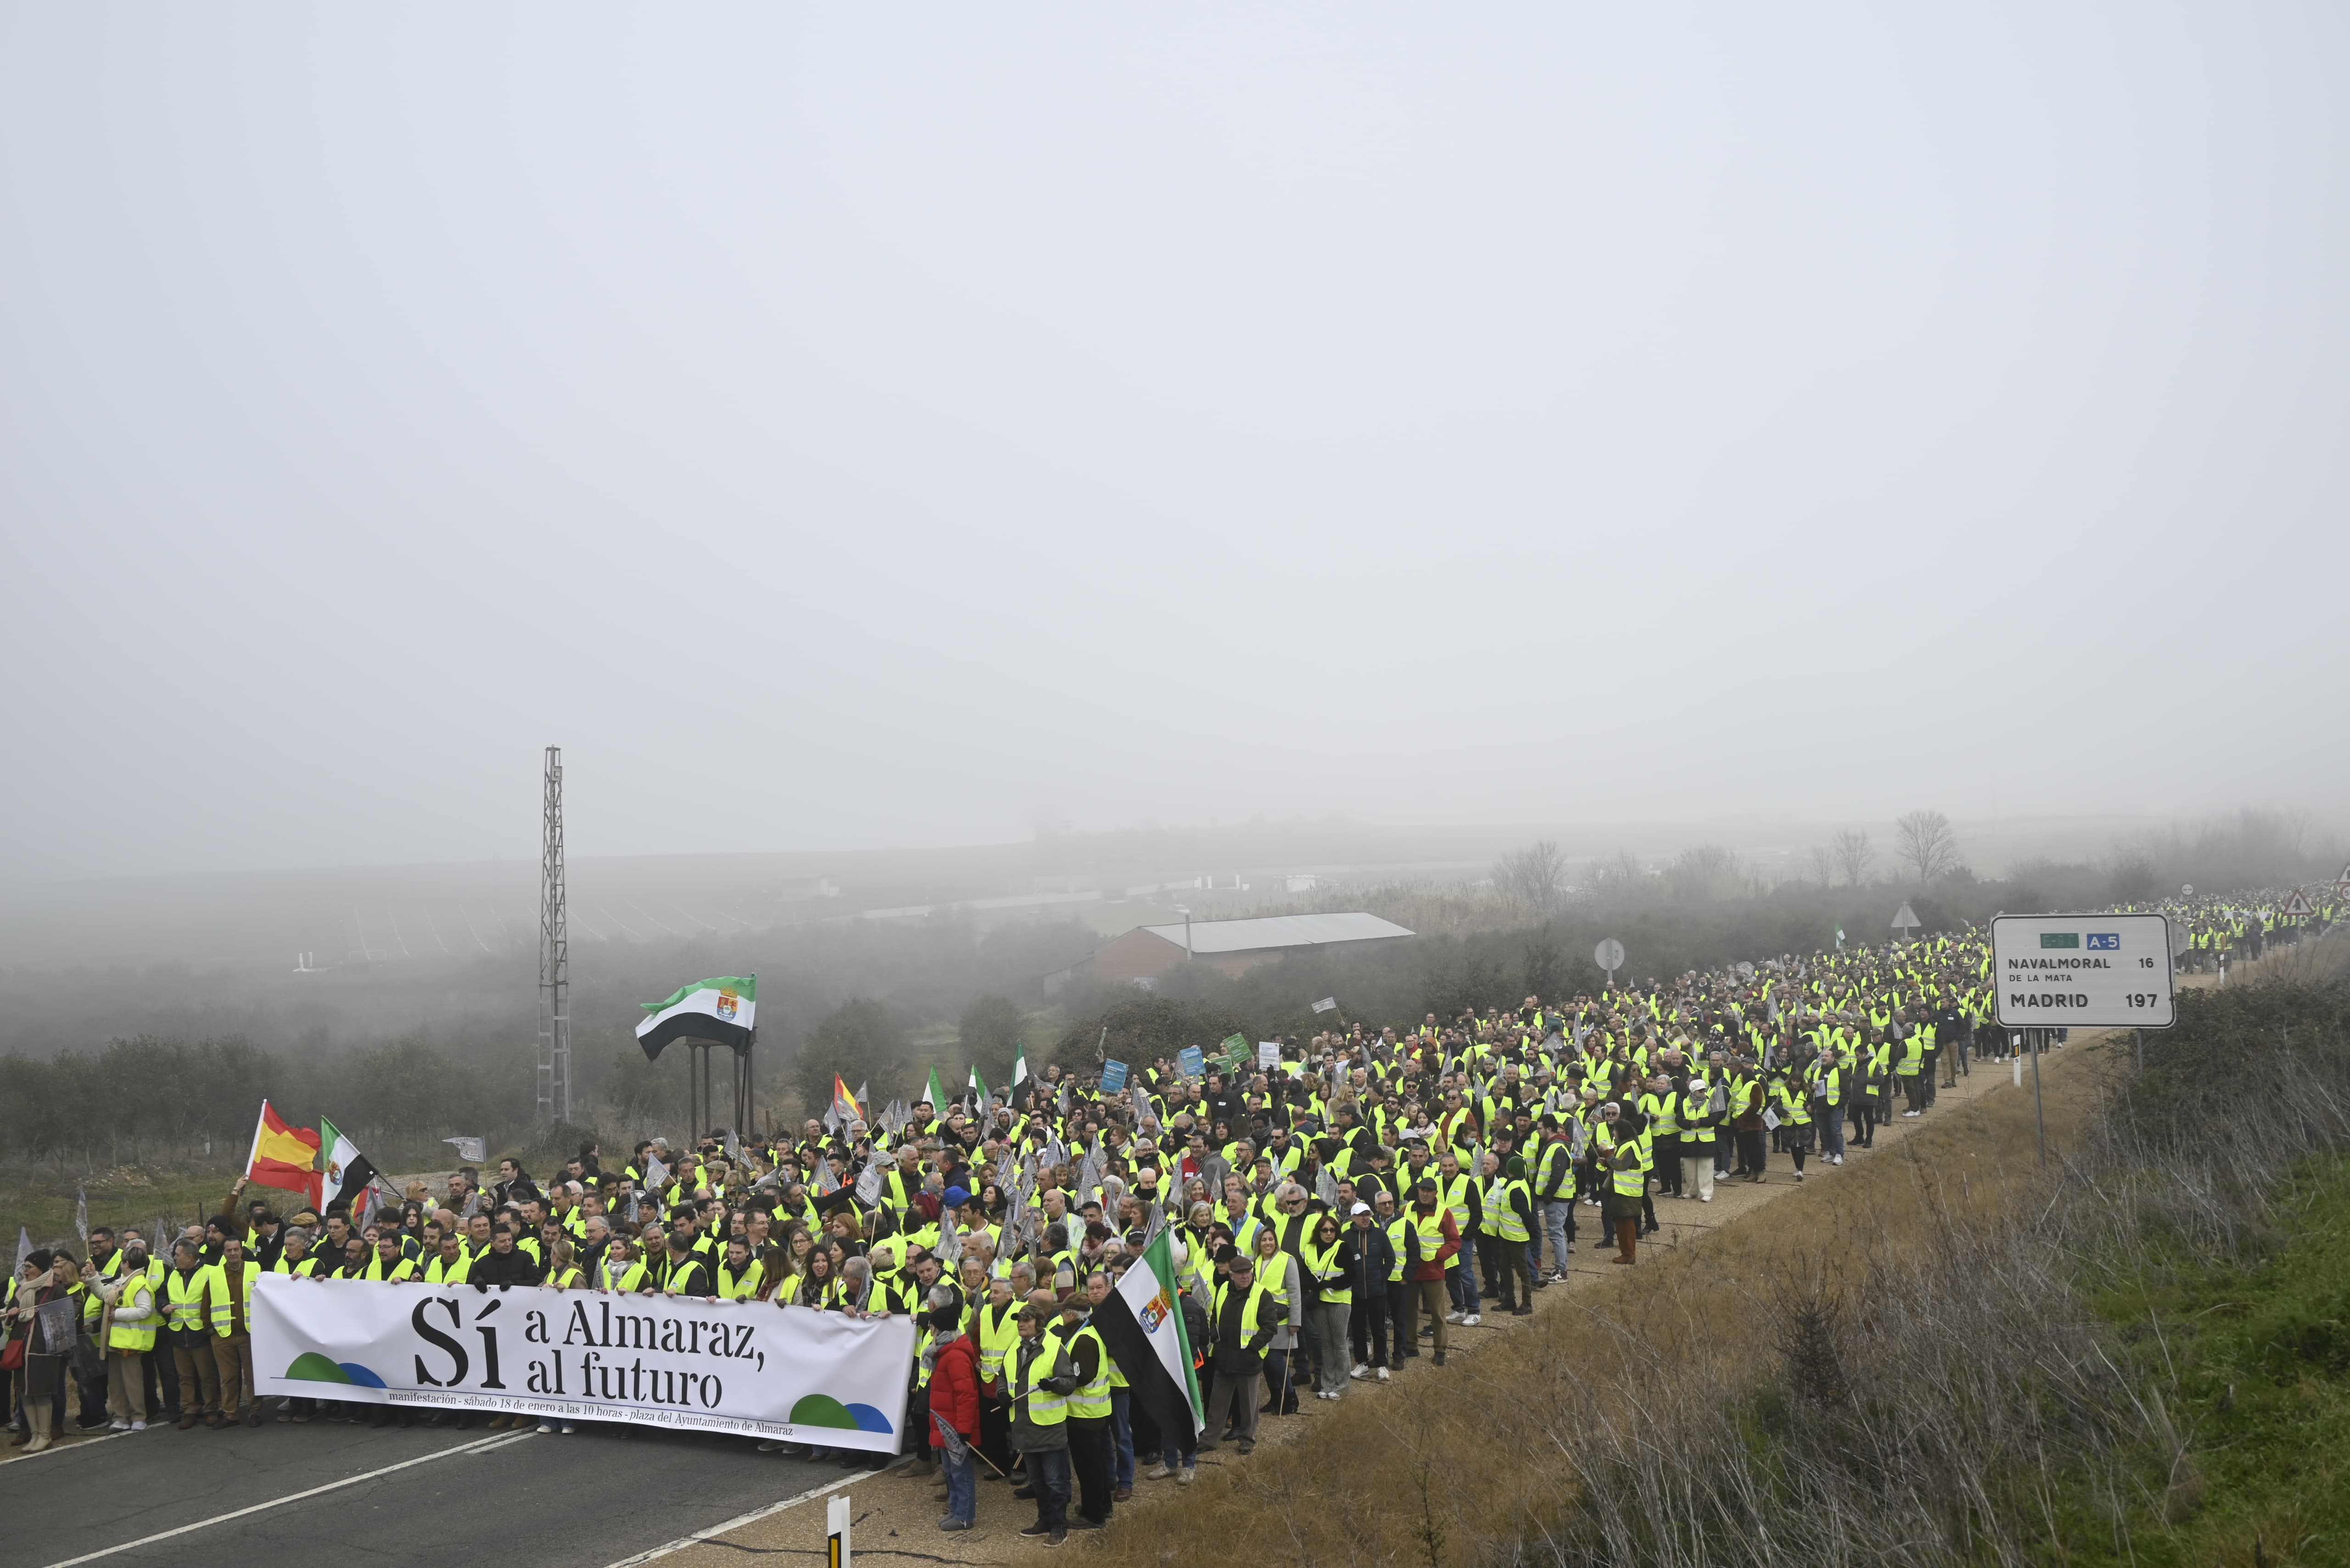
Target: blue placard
1192	1062
1113	1078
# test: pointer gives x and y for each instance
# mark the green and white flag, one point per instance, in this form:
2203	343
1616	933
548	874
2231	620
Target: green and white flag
348	1170
1020	1067
979	1091
723	1011
937	1093
1141	1322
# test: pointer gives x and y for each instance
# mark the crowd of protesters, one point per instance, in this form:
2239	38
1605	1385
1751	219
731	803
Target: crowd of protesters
1336	1204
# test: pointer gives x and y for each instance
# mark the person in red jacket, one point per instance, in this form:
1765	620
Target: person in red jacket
954	1408
1423	1270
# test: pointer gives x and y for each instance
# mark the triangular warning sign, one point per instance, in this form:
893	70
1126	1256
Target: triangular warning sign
1906	918
2296	905
2342	881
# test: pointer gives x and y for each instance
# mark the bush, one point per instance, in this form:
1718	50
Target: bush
1138	1032
990	1035
861	1042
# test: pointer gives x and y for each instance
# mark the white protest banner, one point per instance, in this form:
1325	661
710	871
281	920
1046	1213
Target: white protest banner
750	1367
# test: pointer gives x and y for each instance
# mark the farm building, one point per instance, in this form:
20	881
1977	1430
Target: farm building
1145	952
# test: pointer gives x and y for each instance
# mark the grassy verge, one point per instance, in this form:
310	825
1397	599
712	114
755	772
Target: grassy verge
2258	1351
41	1199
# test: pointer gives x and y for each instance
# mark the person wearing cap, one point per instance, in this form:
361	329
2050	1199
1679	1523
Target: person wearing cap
1697	1117
1431	1246
954	1406
1508	1209
1092	1445
1243	1316
1375	1263
1041	1378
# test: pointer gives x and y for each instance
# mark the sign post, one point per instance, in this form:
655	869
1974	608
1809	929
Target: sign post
1609	955
2080	972
836	1525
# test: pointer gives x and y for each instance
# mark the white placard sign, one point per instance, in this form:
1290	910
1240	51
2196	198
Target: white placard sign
2076	972
750	1367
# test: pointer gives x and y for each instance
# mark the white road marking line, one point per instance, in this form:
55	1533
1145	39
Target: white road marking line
757	1514
497	1441
80	1441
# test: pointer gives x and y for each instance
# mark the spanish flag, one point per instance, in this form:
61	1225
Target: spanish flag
283	1156
844	1104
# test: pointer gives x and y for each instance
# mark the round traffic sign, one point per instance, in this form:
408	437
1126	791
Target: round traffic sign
2188	891
1609	954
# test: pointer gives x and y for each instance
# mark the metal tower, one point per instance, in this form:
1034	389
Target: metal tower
554	955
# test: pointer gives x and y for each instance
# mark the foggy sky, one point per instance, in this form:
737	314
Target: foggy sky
857	425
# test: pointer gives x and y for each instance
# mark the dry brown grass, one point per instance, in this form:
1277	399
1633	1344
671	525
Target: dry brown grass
1897	1365
1462	1467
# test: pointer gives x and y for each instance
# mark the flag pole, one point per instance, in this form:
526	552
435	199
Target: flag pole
260	1125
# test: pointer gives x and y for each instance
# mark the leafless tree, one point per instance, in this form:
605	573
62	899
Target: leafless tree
1824	866
1534	876
1705	874
1927	845
1852	856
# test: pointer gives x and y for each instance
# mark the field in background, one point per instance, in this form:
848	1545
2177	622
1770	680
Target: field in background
435	916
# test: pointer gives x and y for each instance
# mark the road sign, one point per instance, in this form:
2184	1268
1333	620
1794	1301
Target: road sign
2188	891
1609	955
2342	881
2297	907
2180	936
1905	918
2083	971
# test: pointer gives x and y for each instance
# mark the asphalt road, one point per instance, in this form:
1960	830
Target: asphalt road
422	1494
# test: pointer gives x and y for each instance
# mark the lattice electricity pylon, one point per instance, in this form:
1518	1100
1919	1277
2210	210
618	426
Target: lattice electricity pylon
554	955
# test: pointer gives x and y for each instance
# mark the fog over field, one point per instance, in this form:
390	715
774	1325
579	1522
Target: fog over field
843	430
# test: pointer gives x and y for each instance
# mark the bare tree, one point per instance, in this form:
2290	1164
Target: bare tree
1852	856
1705	874
1534	876
1928	846
1824	866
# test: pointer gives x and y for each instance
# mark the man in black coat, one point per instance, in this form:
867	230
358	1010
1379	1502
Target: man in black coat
1367	1326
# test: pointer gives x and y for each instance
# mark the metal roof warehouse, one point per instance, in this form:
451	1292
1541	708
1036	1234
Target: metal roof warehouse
1232	947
